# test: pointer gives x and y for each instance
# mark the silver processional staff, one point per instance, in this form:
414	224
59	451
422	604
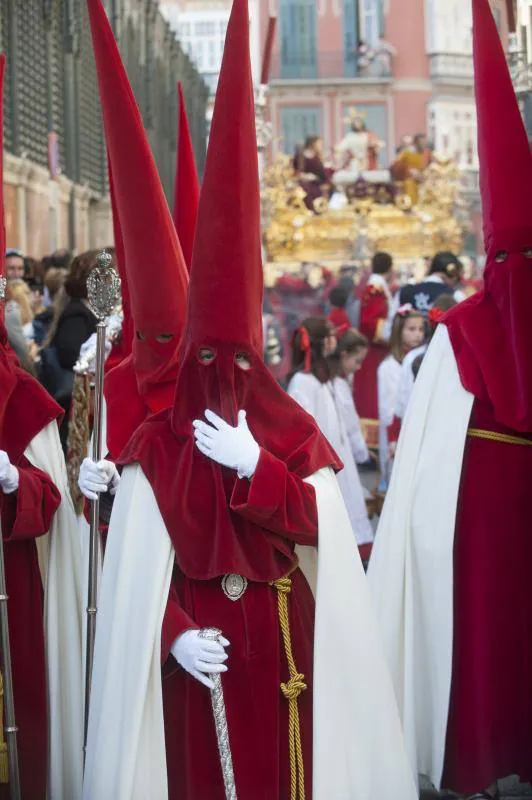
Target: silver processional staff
103	289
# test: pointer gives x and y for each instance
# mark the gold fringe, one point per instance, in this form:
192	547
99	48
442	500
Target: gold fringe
4	756
291	691
504	438
78	436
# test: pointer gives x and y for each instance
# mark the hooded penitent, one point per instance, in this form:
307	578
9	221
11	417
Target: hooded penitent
25	407
157	278
195	494
187	186
490	333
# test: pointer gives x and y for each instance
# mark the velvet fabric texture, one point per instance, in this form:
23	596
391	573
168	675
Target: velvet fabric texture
257	712
187	187
157	279
490	332
27	514
489	733
200	500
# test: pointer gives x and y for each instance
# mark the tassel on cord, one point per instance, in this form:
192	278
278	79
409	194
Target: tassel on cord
78	436
291	691
4	755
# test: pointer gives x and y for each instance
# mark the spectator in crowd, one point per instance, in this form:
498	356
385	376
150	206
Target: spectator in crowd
376	316
71	327
15	265
445	275
15	328
338	298
60	259
54	300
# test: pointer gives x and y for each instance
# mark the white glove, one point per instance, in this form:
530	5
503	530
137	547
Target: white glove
232	447
9	478
95	478
200	657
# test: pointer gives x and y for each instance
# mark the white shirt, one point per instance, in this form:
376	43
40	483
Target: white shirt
406	380
388	379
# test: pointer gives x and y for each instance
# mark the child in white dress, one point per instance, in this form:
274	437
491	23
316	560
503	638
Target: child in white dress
409	331
313	386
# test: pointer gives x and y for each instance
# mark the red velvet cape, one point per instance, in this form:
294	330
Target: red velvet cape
194	493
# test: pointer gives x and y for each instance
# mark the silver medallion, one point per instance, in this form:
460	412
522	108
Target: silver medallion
234	586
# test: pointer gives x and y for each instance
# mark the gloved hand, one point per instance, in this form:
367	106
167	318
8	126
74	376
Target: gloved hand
95	478
232	447
200	657
9	478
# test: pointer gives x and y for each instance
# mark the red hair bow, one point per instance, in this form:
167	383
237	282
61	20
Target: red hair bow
304	344
435	316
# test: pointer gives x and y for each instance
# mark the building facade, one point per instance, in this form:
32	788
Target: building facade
406	65
55	165
201	26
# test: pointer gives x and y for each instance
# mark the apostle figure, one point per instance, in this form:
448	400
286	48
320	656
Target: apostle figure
450	570
215	495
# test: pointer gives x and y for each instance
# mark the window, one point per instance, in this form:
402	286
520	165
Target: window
453	131
213	61
297	123
370	21
298	38
350	37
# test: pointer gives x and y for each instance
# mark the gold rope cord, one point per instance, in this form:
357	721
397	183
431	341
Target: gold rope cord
492	436
4	757
78	436
291	691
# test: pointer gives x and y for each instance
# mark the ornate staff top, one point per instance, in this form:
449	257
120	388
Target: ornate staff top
103	287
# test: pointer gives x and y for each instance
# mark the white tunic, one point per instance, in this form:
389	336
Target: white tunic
388	380
64	602
410	573
358	750
321	401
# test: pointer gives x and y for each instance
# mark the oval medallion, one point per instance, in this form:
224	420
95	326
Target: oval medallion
234	586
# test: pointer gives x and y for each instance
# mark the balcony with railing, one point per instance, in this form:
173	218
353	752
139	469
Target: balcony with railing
455	68
374	67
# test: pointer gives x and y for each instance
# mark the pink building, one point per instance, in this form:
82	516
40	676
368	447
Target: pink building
418	78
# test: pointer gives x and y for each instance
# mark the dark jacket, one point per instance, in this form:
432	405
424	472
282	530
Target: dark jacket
75	325
422	295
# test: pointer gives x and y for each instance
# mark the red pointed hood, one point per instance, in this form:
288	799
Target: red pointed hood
504	152
187	187
490	333
25	407
156	271
225	302
197	497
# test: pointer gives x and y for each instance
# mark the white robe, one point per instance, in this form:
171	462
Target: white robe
410	573
358	749
321	402
60	562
